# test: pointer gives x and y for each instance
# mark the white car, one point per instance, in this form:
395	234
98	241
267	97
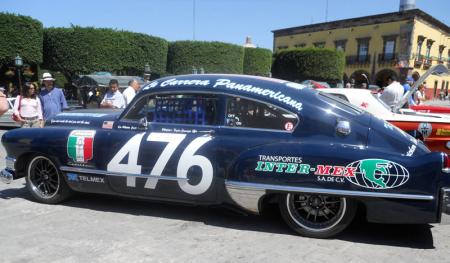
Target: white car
433	128
6	119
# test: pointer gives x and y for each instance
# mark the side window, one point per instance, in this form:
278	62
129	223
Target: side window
251	114
200	109
341	96
144	107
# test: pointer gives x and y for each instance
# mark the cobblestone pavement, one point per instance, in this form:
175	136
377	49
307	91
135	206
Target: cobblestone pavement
94	228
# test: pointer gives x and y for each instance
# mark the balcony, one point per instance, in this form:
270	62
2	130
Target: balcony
387	58
357	60
418	61
427	63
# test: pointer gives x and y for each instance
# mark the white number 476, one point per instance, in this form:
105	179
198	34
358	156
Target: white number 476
187	160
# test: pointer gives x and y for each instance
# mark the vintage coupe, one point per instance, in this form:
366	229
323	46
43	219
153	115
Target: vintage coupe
433	129
240	140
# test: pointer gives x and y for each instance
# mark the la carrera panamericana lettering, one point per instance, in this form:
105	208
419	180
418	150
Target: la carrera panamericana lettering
187	160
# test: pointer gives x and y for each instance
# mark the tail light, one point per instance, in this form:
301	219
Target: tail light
445	163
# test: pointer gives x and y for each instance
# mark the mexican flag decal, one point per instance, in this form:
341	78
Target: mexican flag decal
80	145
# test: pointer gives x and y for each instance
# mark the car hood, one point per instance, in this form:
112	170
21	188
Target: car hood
85	119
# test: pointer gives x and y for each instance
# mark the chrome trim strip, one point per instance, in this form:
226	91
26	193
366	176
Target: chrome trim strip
248	199
445	206
10	163
106	173
283	188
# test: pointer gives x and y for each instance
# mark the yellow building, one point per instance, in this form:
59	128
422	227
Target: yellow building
401	43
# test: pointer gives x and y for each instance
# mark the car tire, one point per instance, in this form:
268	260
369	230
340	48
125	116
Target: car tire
45	181
317	216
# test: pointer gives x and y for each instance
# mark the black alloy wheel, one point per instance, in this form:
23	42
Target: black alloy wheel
45	182
315	215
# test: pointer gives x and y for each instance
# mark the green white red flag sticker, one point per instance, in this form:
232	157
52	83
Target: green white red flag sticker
80	145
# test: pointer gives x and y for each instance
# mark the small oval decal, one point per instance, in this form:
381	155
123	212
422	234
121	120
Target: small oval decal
377	174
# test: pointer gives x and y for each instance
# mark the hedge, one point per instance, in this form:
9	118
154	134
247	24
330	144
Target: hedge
79	50
309	63
257	61
213	57
20	35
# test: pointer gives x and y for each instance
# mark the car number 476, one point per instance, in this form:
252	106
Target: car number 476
187	160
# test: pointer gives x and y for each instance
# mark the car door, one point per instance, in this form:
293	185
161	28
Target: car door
174	157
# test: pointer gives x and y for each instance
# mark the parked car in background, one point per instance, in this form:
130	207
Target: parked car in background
238	140
316	84
6	119
433	129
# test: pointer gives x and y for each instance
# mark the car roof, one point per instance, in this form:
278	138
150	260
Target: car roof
278	92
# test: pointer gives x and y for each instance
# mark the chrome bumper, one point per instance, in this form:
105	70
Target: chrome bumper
445	206
6	176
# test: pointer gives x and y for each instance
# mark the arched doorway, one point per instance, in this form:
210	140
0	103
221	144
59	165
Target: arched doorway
382	76
360	76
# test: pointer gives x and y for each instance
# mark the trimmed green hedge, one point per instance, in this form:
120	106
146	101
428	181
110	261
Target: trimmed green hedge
257	61
309	63
20	35
79	50
213	57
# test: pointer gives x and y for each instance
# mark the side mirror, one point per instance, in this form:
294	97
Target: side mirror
143	124
343	128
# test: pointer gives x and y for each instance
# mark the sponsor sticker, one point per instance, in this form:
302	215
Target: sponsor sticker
80	145
425	129
443	132
289	126
73	177
366	173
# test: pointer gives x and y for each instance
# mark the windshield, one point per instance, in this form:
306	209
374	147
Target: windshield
384	105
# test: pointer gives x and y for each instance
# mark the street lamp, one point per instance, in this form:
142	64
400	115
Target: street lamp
147	72
194	70
18	62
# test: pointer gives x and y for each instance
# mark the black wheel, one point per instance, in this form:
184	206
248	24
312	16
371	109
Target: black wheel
318	216
45	182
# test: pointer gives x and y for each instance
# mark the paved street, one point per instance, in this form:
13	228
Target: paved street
93	228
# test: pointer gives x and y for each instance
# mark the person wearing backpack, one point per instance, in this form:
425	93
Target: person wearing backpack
27	108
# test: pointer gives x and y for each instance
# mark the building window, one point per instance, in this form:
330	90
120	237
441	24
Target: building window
441	51
300	45
389	43
340	44
282	47
363	49
319	44
427	62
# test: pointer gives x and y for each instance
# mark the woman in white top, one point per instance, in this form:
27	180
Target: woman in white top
419	96
28	109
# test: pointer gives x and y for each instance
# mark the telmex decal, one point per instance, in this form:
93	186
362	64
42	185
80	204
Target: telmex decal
226	83
83	178
367	173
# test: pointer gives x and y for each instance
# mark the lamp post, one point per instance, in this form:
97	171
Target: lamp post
18	62
147	72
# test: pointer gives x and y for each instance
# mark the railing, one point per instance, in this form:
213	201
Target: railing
418	61
357	59
387	57
427	62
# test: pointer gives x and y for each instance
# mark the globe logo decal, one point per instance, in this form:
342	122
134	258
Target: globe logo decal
378	174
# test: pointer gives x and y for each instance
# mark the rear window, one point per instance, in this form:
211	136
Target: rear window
340	103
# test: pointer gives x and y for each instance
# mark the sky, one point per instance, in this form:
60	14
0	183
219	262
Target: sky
214	20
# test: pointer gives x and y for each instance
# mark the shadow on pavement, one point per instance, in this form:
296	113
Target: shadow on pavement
412	236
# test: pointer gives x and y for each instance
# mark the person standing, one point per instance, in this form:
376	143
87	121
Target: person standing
4	105
27	108
113	98
419	96
393	93
52	97
130	92
406	88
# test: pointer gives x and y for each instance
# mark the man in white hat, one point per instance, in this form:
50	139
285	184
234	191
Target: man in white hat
52	98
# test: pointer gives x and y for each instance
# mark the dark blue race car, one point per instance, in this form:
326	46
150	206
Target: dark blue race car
240	140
